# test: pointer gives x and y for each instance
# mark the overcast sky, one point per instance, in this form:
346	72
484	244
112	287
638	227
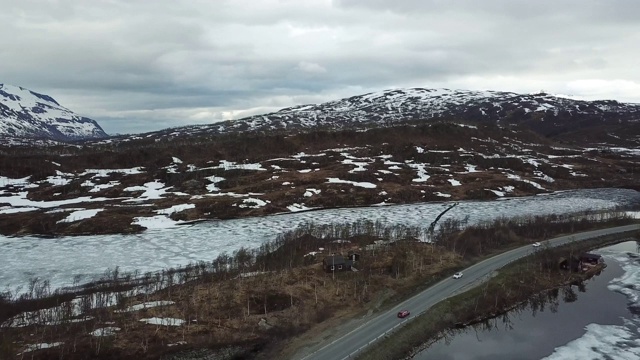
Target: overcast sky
138	66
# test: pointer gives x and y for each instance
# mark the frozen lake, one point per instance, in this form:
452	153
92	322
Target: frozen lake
85	258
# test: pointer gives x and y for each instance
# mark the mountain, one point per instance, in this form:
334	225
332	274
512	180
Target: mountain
545	114
392	147
27	114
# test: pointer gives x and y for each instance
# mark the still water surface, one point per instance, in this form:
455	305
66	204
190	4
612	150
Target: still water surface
600	324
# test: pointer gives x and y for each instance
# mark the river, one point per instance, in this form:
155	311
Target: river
602	323
66	259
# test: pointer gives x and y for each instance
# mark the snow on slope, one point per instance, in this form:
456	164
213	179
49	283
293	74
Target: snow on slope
24	113
419	103
398	105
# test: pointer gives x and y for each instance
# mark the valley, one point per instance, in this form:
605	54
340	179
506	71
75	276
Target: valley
210	239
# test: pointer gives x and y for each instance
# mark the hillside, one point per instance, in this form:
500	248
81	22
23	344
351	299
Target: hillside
550	116
143	183
392	147
25	114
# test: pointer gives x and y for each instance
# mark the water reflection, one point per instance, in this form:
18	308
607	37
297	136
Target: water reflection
535	329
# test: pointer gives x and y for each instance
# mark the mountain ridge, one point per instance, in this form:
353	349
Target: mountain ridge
546	114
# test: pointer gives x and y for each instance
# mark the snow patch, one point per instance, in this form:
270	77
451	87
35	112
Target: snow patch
155	222
80	215
214	180
471	168
367	185
105	331
311	192
40	346
422	173
163	321
253	203
176	209
298	207
230	165
152	191
145	305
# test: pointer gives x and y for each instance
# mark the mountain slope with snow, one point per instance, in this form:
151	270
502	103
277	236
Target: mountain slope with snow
27	114
543	113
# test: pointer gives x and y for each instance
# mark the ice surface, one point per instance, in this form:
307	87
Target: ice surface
611	342
615	342
87	257
629	283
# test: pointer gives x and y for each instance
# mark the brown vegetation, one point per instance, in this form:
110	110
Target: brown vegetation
491	149
535	282
254	299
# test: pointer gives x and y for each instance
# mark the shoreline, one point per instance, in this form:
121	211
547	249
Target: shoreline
422	325
257	289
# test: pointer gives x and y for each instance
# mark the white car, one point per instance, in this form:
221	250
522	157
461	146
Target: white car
457	275
536	244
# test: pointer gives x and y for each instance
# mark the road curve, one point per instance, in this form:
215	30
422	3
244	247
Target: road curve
349	345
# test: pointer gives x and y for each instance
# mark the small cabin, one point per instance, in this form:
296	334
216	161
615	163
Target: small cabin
591	259
336	263
571	263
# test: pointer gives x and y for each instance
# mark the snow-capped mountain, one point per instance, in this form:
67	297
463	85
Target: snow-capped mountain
544	113
27	114
418	103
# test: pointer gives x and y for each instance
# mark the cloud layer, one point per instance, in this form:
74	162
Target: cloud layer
139	65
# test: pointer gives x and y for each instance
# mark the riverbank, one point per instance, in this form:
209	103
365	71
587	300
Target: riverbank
530	279
28	257
260	301
598	323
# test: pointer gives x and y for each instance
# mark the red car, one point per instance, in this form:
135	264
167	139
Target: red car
403	314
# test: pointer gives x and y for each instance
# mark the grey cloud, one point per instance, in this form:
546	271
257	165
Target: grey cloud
174	63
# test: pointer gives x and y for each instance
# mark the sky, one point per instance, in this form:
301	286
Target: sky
138	66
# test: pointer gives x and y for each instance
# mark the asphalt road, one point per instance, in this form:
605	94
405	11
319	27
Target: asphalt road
349	345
